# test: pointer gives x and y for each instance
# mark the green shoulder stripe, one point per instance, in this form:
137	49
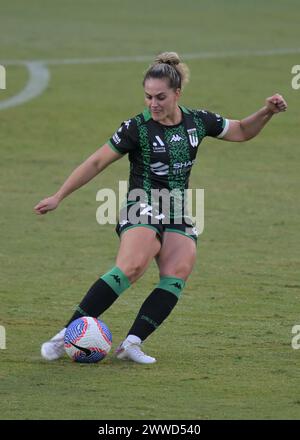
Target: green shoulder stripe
114	148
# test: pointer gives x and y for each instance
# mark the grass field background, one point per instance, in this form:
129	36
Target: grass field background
225	352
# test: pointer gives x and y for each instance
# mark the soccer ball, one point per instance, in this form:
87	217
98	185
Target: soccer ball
87	340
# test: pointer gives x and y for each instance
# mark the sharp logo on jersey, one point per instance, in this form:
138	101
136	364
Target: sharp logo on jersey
187	164
182	167
193	137
159	168
176	138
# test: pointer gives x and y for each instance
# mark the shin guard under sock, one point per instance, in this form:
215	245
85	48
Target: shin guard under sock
157	307
102	294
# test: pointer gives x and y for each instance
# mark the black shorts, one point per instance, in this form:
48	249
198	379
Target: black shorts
142	214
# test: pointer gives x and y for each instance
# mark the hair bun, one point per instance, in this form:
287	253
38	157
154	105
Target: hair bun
170	58
177	77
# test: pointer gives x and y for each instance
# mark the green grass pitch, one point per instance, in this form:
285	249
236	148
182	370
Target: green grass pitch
225	352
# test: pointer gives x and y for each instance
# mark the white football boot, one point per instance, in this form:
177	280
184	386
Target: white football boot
130	350
54	349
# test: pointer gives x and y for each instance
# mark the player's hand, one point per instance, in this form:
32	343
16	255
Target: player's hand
46	205
276	104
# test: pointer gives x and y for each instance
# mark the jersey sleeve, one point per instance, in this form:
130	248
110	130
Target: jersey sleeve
215	125
125	139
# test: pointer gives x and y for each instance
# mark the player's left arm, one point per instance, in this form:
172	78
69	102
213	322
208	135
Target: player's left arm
248	128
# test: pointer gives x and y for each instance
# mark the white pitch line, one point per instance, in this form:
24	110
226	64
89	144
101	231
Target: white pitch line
39	77
142	58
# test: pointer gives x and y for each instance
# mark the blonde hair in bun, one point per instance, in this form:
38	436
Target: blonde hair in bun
169	66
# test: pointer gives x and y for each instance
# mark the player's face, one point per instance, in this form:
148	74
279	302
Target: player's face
161	99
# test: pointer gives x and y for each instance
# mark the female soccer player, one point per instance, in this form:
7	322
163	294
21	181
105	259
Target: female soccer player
162	144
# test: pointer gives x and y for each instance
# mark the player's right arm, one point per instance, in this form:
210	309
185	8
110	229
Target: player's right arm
249	127
85	172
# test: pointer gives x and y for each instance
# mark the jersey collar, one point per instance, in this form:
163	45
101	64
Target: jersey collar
147	115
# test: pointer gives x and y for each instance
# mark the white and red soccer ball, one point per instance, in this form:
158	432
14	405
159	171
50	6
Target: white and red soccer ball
87	340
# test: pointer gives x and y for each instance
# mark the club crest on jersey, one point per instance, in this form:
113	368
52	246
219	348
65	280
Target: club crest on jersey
193	137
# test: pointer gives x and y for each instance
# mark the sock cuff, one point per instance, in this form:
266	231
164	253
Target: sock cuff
117	280
172	284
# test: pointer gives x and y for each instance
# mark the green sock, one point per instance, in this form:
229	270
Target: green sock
102	294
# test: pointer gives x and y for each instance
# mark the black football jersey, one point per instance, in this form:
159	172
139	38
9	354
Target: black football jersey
162	156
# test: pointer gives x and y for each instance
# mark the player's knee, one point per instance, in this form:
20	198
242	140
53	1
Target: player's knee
182	271
134	267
